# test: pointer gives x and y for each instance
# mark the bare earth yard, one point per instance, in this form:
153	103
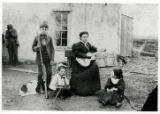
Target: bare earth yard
138	87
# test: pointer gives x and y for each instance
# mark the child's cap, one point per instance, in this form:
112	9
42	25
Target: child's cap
59	66
118	72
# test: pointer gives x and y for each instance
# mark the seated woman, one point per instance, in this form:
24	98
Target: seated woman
85	78
113	92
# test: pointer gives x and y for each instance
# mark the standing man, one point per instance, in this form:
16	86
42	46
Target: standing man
12	44
46	45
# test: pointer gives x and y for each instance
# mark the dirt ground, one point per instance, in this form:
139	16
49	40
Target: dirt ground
138	87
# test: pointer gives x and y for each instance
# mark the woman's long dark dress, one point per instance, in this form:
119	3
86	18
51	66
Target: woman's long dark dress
85	81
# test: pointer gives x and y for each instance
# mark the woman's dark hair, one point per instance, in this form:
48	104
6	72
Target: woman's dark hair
84	32
118	72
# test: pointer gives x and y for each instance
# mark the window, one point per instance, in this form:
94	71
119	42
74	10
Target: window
61	18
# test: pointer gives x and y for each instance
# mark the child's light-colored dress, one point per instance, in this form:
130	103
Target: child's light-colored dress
58	81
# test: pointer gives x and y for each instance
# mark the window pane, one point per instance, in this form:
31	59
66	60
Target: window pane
58	38
58	42
64	34
64	28
61	19
58	21
64	42
64	19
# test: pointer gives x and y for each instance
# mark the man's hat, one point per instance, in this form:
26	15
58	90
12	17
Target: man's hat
44	24
9	26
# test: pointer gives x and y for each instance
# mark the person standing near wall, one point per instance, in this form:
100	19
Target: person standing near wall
3	39
44	42
12	44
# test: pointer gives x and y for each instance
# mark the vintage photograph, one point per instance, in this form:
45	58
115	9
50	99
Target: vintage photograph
80	56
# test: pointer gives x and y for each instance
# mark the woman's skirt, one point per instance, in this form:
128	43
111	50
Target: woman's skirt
85	81
109	98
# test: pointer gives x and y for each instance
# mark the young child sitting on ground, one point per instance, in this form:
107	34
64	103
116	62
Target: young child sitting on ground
113	92
60	84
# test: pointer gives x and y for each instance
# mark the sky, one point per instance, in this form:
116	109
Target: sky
145	22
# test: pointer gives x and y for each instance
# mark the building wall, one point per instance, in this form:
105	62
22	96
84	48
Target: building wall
102	22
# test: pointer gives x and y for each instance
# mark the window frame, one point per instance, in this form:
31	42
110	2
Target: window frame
61	47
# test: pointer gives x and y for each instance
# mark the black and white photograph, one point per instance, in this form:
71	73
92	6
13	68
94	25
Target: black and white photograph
79	56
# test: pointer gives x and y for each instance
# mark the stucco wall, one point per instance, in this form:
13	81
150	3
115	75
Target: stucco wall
102	23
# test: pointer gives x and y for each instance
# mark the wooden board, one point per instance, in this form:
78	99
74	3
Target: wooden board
126	35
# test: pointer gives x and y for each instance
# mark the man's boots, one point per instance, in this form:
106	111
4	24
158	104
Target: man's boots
40	88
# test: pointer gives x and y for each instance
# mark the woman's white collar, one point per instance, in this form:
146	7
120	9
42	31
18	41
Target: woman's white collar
114	81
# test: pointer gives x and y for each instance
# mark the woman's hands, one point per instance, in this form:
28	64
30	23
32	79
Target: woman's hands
89	54
112	89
